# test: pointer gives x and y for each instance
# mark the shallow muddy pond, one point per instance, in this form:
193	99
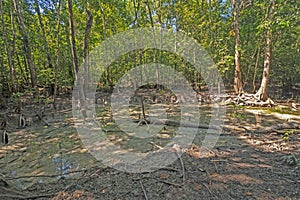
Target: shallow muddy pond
44	153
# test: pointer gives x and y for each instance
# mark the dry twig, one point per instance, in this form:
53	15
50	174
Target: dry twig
144	191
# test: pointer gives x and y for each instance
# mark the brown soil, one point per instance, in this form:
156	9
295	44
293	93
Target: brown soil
243	165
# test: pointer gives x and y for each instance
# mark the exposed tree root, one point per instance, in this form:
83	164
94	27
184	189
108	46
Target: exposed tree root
250	100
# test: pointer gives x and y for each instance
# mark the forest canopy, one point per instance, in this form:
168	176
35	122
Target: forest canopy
39	39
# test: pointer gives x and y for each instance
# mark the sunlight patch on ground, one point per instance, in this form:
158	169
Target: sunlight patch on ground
239	178
281	116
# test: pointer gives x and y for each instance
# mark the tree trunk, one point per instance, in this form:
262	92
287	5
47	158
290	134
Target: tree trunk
9	53
108	75
79	80
72	40
57	55
26	44
89	24
255	68
74	53
262	93
154	40
13	48
238	85
50	66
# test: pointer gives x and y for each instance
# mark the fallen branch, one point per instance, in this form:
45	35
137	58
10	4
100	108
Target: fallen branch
169	122
275	128
182	167
144	191
41	118
45	176
170	183
207	189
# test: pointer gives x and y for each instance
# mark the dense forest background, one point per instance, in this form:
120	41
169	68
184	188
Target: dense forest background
43	42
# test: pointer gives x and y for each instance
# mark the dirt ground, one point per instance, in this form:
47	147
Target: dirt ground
242	165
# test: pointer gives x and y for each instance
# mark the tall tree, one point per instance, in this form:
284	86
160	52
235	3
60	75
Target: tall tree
9	52
46	47
78	79
89	24
262	93
238	85
154	40
26	43
72	39
57	54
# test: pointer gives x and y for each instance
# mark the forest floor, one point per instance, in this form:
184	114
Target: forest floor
242	165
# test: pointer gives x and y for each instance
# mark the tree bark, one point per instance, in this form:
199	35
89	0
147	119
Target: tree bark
88	28
238	85
262	93
108	75
13	48
74	55
72	39
26	44
154	40
57	55
89	24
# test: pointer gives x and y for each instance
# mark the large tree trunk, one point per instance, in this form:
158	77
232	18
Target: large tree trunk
26	44
74	54
262	93
80	80
238	85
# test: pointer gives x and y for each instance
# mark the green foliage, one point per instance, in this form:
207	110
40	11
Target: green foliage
287	134
209	22
16	96
281	110
291	160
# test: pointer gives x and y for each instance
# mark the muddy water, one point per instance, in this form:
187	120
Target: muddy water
42	154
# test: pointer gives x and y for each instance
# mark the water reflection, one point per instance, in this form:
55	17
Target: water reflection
63	167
